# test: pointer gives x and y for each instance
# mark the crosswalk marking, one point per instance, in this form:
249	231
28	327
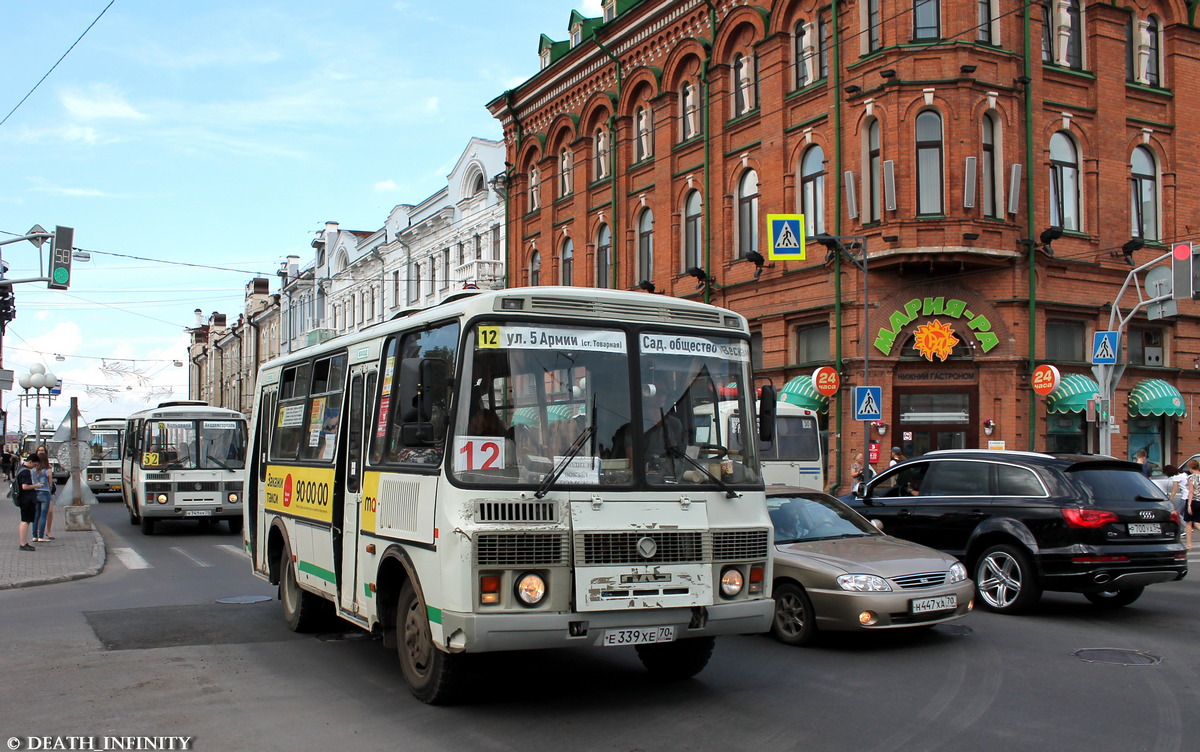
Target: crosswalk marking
237	551
198	562
130	558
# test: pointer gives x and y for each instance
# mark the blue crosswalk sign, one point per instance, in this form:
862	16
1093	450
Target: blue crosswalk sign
868	403
1104	348
786	234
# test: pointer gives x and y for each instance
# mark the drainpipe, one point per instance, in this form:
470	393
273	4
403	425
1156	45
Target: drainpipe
1030	225
706	126
612	168
837	264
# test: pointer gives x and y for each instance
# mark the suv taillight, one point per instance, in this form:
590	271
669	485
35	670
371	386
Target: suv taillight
1088	518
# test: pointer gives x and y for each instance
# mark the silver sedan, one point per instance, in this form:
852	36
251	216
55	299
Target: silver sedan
834	570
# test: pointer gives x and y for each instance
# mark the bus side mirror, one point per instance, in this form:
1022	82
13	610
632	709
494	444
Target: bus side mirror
766	413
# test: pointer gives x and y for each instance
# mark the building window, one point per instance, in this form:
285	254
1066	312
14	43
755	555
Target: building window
987	12
396	287
535	184
576	35
1074	35
812	190
535	268
644	142
645	238
1131	53
414	282
1064	182
689	123
691	230
823	44
1047	33
874	26
445	268
1143	194
801	50
747	217
1144	347
743	84
756	350
544	58
1153	52
603	256
610	9
564	173
927	20
929	163
874	201
812	343
1064	341
568	262
988	167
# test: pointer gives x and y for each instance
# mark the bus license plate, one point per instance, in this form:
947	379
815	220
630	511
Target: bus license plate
644	636
940	603
198	513
1145	528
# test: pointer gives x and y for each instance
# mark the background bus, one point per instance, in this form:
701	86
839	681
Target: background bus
45	437
792	457
514	470
104	471
184	460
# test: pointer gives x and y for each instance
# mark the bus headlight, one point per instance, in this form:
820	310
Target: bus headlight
161	498
233	498
531	588
731	582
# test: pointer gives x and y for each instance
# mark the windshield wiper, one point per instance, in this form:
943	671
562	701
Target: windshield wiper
558	470
219	463
677	452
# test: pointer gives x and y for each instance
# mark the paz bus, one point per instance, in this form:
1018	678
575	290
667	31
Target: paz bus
792	456
513	470
104	471
182	461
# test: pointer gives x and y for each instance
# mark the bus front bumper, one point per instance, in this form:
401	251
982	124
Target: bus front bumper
481	633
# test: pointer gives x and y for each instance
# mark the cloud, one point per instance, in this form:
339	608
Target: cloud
386	185
98	102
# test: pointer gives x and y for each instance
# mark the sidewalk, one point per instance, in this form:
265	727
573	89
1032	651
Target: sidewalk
71	557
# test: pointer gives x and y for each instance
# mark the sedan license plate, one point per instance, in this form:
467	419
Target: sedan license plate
643	636
198	513
1145	528
940	603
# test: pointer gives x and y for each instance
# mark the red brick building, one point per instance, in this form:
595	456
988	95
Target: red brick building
1002	168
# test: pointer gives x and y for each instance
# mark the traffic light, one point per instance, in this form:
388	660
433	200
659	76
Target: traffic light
60	258
8	305
1182	271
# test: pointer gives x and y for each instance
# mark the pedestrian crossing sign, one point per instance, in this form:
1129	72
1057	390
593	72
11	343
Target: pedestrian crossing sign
1104	348
868	403
787	237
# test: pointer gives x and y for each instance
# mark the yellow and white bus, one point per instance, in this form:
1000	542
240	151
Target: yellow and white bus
792	456
104	470
181	461
511	470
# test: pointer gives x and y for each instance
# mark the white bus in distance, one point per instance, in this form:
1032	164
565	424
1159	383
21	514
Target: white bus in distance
793	456
515	470
184	460
104	470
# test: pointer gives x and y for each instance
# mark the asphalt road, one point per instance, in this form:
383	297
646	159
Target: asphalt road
145	648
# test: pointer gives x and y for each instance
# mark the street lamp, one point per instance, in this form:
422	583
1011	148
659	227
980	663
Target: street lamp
37	379
835	245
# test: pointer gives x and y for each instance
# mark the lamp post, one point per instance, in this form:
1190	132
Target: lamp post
37	379
836	246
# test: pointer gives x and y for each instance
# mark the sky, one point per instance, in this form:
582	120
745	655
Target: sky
193	146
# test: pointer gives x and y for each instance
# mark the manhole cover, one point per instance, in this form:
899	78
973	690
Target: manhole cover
1117	656
343	636
956	630
244	599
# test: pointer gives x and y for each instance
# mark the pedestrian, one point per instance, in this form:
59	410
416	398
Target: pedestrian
1143	459
44	461
43	481
1176	481
860	473
27	503
1191	517
6	463
897	457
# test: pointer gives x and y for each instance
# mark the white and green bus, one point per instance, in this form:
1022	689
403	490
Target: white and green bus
104	469
513	470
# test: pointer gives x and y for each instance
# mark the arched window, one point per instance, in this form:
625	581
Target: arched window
689	121
478	185
927	23
535	268
564	172
600	163
645	238
929	163
603	256
747	216
1143	194
692	241
743	84
1064	182
874	202
568	262
812	190
535	189
989	166
801	51
644	142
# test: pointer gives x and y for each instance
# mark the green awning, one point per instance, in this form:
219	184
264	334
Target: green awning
1156	397
1072	394
801	393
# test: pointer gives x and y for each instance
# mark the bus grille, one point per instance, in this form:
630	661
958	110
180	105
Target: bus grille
516	511
680	547
157	488
739	545
520	549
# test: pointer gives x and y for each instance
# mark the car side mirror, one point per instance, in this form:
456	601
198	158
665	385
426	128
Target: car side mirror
878	524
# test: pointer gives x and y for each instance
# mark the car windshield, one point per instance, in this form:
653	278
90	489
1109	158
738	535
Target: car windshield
802	518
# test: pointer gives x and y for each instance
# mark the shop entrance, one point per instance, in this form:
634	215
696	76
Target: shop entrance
932	418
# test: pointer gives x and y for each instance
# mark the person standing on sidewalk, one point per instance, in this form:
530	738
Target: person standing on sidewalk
44	483
43	458
28	503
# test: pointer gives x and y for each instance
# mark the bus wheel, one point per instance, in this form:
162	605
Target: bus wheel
235	525
303	611
677	660
147	525
433	676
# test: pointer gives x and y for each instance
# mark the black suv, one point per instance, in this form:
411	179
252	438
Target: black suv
1025	522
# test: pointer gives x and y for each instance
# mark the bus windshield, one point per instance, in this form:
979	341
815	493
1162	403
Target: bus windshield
191	444
106	445
551	399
